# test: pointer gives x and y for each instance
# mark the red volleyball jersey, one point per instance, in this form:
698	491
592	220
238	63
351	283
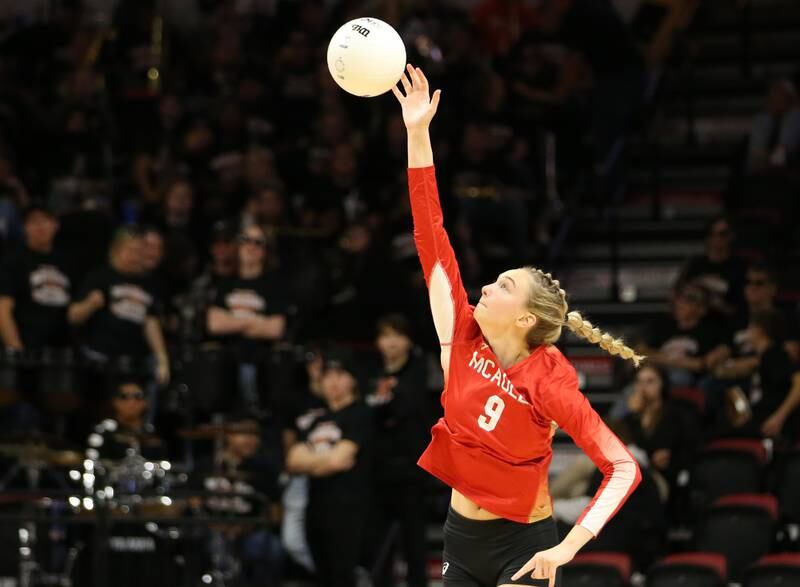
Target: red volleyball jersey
494	443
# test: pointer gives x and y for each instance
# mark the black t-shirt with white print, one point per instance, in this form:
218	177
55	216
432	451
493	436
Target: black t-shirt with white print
667	337
740	338
259	296
354	423
117	328
41	288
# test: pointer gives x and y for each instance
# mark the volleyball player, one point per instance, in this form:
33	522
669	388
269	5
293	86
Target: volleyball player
505	383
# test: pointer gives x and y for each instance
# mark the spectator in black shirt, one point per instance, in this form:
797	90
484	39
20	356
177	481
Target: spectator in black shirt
398	397
127	432
244	480
249	312
656	426
118	309
299	412
222	266
718	270
685	343
35	288
335	452
759	292
771	382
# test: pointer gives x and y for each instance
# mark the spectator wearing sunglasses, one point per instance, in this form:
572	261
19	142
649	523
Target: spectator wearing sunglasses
760	290
127	429
249	313
718	270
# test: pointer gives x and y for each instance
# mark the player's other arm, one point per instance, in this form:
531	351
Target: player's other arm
564	403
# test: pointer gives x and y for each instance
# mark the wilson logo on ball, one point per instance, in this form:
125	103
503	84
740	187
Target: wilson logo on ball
363	31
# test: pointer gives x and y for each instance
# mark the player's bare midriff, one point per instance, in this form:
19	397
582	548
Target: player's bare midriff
469	509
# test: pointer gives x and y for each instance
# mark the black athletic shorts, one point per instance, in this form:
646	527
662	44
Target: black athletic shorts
487	553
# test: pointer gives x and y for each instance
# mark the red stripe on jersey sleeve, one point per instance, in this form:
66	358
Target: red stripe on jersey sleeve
561	400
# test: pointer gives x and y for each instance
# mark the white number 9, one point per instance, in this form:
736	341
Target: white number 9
493	410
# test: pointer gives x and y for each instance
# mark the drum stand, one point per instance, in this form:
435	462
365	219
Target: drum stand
30	570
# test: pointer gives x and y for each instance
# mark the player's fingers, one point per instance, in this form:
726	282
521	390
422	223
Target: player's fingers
397	94
553	577
547	570
526	568
435	101
535	568
413	75
423	81
406	83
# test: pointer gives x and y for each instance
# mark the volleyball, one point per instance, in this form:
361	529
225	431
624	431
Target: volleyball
366	57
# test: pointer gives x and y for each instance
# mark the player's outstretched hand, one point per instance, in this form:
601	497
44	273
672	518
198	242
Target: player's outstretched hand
544	564
418	106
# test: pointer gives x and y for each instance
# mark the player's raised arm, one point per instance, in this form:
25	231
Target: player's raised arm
447	296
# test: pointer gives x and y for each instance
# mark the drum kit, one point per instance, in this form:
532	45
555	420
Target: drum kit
135	505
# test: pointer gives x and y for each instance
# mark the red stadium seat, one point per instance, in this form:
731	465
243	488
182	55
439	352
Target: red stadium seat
691	569
727	467
740	527
598	569
691	396
774	570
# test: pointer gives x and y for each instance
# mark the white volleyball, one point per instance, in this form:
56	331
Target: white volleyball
366	57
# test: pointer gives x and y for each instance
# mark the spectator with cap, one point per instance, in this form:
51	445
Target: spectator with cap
243	481
336	452
299	412
398	396
685	343
249	312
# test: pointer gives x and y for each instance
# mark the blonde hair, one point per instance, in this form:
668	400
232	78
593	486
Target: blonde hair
548	302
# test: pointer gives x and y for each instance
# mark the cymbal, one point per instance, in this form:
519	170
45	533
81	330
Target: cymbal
42	454
33	437
211	431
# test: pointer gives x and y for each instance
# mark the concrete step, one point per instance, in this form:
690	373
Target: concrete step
708	129
725	46
637	250
707	105
640	280
764	15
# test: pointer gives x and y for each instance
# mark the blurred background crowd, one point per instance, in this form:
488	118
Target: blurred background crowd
208	266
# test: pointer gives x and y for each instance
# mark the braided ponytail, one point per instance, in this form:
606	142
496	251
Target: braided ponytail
613	346
548	302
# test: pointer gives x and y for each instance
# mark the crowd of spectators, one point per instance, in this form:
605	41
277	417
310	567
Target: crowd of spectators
190	207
